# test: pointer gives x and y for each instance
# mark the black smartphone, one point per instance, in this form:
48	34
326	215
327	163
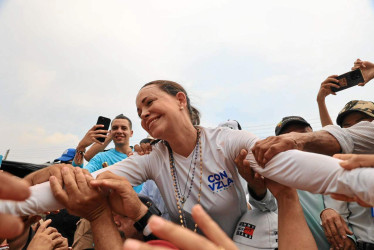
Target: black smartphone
104	121
349	79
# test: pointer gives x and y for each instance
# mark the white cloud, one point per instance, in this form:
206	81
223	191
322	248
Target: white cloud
64	63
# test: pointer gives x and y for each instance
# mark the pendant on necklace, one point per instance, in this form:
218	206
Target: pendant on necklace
183	200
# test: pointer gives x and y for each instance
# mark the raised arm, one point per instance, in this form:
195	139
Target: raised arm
89	138
323	92
293	231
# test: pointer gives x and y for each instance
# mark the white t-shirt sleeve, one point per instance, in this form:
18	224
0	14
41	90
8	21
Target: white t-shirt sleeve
357	139
135	168
235	141
318	173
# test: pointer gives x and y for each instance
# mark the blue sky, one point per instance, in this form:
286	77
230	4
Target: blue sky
62	64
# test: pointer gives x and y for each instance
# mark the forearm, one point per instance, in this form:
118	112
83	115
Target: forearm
94	149
293	231
324	113
37	177
321	142
105	232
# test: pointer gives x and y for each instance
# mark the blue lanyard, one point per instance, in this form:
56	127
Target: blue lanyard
372	212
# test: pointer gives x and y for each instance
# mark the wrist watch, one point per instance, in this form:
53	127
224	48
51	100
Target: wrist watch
142	223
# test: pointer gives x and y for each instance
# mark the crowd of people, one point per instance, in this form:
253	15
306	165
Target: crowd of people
191	187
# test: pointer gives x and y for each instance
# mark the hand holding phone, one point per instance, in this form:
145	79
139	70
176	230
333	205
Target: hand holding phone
103	121
349	79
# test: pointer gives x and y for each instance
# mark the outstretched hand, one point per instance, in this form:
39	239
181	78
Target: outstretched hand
122	198
325	88
184	238
43	175
265	150
46	238
342	197
143	148
352	161
255	181
78	196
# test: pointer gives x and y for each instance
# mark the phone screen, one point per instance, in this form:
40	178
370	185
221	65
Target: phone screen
104	121
349	79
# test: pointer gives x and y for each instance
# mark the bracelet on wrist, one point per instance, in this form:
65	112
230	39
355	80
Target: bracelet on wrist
81	152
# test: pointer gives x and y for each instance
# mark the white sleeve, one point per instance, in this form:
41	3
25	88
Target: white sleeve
358	139
135	168
42	200
235	141
318	173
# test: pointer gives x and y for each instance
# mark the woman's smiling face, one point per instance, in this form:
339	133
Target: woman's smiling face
158	110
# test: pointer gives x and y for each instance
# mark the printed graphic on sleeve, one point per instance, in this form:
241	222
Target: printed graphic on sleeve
246	230
219	182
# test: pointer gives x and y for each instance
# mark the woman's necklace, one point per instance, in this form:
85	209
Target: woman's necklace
183	196
181	199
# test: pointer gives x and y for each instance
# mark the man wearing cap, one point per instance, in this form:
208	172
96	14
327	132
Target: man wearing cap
359	218
332	139
354	112
312	204
66	157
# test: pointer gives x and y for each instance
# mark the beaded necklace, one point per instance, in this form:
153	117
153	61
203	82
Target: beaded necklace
183	196
179	198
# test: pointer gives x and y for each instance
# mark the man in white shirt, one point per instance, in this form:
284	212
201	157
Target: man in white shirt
330	140
358	218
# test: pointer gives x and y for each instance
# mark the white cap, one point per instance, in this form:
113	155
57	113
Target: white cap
257	229
230	124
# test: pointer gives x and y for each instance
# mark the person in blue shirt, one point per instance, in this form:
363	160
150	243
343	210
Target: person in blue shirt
121	131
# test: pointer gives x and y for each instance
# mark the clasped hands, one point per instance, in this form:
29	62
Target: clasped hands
91	198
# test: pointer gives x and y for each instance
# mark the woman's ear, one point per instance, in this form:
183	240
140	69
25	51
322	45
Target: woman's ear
182	99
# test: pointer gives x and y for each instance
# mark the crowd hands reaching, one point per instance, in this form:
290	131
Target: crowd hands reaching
112	206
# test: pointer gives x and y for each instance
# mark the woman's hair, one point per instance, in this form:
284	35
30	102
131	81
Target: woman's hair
121	116
172	88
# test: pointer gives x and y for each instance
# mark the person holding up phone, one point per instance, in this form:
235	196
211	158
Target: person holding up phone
121	132
323	92
332	84
353	112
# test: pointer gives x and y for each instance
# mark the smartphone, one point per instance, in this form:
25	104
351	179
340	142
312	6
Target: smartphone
349	79
104	121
